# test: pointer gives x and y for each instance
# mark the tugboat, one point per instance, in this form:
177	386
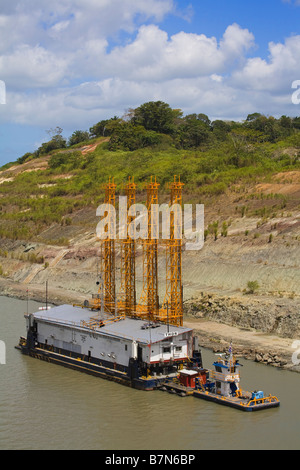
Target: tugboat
221	385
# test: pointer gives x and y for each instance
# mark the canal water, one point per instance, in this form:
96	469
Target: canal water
46	406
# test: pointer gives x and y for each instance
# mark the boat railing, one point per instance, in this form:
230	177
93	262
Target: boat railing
200	383
224	377
261	401
22	341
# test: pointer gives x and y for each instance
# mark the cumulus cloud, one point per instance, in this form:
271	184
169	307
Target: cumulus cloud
29	67
274	74
77	20
63	64
68	36
155	56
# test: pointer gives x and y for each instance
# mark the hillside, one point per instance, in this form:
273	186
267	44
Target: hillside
251	192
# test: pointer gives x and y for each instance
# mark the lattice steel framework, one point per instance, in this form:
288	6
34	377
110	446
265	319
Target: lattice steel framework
127	304
148	308
172	310
108	250
106	297
149	302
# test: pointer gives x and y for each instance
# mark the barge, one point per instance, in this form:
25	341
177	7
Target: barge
129	351
139	354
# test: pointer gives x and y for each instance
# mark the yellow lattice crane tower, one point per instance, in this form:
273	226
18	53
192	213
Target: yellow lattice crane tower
172	310
106	297
108	250
149	302
127	303
148	308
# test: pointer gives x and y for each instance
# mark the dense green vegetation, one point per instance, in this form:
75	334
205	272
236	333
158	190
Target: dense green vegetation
157	124
150	140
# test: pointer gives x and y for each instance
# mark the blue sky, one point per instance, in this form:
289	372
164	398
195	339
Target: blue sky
71	63
268	20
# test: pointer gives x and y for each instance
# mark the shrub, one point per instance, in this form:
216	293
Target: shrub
72	160
24	158
224	231
213	229
253	286
77	137
129	137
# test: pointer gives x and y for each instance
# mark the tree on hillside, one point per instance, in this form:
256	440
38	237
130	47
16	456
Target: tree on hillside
253	117
296	122
56	136
286	122
204	118
194	130
23	159
132	137
105	127
156	116
269	126
77	137
57	142
220	129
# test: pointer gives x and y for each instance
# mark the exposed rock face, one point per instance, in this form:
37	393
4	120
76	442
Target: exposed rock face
280	316
261	329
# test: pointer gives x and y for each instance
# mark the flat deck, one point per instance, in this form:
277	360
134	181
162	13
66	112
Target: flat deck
244	404
178	388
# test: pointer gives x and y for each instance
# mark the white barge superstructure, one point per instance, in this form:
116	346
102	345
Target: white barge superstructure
132	351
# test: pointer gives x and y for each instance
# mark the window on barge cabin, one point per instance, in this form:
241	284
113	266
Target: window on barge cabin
167	349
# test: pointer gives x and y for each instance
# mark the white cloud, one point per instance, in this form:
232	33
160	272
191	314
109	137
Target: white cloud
275	74
155	56
216	78
78	20
30	67
236	41
61	68
71	35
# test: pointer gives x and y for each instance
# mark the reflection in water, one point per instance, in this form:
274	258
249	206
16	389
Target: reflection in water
46	406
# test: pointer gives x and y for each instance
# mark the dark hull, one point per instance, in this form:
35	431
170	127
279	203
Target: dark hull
90	368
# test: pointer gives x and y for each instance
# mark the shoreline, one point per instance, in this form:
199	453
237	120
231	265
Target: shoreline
250	344
36	292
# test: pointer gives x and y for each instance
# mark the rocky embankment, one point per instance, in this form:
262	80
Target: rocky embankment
278	317
261	329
